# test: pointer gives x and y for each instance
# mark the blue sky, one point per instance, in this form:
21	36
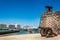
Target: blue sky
24	12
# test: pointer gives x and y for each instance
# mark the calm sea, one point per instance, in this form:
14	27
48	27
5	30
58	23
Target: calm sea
25	32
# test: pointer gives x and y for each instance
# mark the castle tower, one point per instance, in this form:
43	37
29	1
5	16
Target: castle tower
50	21
48	8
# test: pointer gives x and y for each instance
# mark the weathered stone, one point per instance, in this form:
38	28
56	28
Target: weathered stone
50	21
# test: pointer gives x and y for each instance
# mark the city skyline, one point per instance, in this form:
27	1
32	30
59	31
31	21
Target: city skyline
25	12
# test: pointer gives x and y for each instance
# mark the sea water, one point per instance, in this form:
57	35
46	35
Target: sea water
21	31
25	32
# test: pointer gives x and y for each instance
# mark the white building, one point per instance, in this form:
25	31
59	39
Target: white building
3	26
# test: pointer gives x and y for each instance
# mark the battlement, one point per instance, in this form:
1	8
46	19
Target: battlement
48	8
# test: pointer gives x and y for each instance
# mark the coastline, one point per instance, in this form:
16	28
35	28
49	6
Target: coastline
28	37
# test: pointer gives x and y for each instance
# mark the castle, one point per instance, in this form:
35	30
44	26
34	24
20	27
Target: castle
50	22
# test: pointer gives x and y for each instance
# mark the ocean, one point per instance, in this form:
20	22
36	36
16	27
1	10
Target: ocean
25	32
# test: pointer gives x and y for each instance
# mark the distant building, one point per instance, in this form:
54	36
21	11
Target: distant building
3	26
12	27
18	27
26	27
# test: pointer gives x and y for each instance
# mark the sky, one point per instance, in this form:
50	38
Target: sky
25	12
